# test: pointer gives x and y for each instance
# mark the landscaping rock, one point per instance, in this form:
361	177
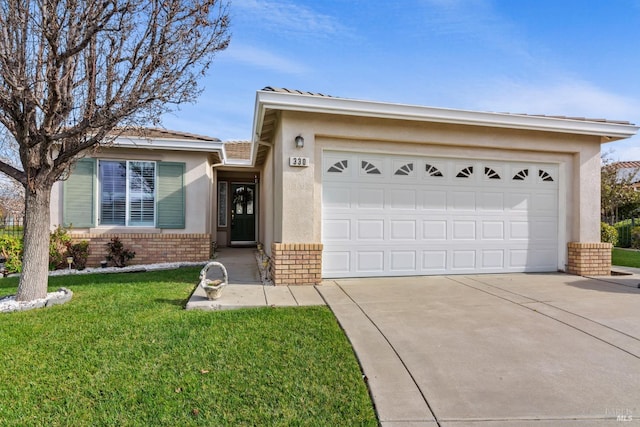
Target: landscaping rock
9	304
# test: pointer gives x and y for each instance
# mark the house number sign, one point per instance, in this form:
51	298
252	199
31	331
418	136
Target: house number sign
299	161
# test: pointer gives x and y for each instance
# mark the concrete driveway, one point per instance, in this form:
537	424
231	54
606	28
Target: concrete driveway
495	350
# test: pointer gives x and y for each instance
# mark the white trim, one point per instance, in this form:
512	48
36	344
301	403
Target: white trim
265	100
169	144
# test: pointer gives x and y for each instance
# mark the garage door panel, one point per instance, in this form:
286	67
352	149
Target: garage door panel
544	259
463	259
463	230
370	229
434	261
544	230
399	215
370	261
492	259
519	230
336	230
402	261
434	229
336	263
402	230
463	201
545	203
434	200
518	202
370	198
492	202
401	199
337	197
518	259
493	230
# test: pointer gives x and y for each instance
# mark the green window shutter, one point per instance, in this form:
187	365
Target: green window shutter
78	206
171	195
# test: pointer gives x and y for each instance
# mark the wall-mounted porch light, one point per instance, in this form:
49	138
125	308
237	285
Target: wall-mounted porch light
299	141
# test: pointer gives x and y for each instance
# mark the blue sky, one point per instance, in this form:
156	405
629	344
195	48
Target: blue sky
557	57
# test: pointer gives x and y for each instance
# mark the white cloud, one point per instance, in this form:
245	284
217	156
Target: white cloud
572	98
264	59
286	17
565	97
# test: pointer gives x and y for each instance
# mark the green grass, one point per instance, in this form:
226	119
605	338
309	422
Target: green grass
125	352
627	258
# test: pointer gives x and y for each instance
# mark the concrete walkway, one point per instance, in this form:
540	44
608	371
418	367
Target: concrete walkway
246	289
496	350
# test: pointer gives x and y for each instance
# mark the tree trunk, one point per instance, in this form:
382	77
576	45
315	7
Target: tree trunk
35	260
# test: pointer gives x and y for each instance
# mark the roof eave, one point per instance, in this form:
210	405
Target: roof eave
608	131
169	144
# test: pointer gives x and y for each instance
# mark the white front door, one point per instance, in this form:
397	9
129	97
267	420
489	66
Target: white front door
405	215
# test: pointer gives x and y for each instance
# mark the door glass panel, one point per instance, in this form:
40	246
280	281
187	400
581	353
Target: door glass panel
249	201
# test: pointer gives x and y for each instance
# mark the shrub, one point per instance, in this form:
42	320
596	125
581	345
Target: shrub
11	250
117	253
80	253
608	233
58	244
635	237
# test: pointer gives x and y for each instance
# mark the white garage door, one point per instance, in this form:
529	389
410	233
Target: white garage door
402	216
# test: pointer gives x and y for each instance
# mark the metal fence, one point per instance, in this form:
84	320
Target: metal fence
10	226
624	231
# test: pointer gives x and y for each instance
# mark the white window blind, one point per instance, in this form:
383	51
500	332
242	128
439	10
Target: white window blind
127	193
142	194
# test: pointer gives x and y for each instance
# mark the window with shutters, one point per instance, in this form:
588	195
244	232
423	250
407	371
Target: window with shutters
127	193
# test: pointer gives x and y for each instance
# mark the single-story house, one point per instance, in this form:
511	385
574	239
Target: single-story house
628	171
336	187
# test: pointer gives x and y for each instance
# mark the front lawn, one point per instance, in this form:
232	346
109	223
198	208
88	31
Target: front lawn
125	352
626	258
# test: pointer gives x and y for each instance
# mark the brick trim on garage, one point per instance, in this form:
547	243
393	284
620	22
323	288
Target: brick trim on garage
589	259
296	263
151	248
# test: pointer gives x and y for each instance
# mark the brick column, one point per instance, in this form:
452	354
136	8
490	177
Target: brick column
296	263
589	259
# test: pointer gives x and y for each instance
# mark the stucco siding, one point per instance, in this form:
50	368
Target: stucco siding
577	157
197	184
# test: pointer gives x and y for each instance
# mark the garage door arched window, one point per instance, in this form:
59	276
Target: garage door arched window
370	168
433	171
339	167
465	173
545	176
521	175
405	170
491	174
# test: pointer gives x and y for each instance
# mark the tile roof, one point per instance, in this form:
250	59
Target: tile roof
627	165
580	119
240	150
151	133
295	92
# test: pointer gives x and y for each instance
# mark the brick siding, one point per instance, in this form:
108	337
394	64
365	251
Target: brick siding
296	263
150	248
589	259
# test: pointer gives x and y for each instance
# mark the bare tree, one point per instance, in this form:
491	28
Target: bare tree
73	71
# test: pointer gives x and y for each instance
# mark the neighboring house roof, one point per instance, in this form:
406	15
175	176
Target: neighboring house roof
629	170
628	165
270	100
